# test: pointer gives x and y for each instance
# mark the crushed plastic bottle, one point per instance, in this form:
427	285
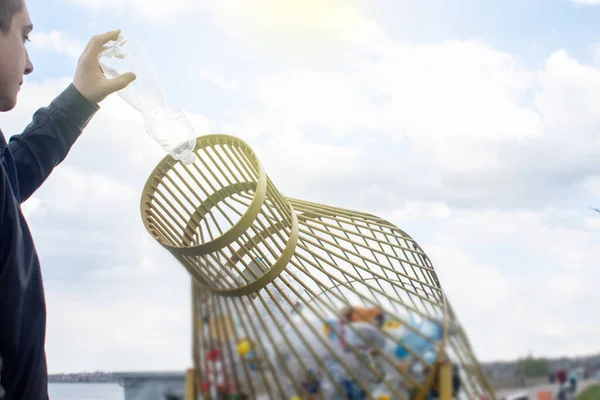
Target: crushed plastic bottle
166	124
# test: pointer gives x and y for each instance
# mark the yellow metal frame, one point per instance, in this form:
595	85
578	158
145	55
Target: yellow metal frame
191	390
184	208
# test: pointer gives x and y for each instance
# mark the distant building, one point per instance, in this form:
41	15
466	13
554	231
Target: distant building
152	385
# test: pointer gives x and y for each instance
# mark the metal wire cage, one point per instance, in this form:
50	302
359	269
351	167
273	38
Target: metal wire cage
298	300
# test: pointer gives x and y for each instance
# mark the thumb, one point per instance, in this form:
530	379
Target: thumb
121	81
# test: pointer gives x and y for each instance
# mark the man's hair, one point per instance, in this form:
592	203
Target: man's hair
8	8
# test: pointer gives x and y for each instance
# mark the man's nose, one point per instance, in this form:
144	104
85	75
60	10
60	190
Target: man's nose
28	64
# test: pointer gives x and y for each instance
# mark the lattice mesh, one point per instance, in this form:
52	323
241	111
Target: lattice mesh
294	299
221	217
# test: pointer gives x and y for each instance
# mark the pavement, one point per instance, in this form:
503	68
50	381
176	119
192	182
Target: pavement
532	391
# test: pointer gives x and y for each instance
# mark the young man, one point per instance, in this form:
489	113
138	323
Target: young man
25	164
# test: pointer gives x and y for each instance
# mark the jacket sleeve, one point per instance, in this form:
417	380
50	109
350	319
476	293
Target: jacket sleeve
2	391
48	138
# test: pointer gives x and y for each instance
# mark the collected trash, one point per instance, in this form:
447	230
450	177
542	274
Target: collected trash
335	357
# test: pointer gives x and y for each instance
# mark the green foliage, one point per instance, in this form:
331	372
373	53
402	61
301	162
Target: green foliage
532	367
591	393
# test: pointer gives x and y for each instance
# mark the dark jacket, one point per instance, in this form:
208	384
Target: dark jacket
26	162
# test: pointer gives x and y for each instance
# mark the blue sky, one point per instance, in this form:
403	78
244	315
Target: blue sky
472	125
182	48
531	28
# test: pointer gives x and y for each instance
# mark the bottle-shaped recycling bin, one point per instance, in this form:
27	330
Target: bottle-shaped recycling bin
298	300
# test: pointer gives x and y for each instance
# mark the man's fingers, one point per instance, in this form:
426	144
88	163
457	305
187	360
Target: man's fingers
121	81
97	42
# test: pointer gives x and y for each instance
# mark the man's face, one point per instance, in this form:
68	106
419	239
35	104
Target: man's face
14	59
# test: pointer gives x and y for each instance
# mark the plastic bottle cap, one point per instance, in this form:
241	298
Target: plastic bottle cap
244	348
384	397
187	157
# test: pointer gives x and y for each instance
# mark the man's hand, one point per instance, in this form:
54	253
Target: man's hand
89	79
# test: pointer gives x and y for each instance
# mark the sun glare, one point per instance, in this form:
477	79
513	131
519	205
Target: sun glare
294	16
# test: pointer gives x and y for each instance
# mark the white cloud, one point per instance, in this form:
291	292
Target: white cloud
88	189
32	207
476	124
121	320
573	88
416	210
57	41
592	184
218	80
528	284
